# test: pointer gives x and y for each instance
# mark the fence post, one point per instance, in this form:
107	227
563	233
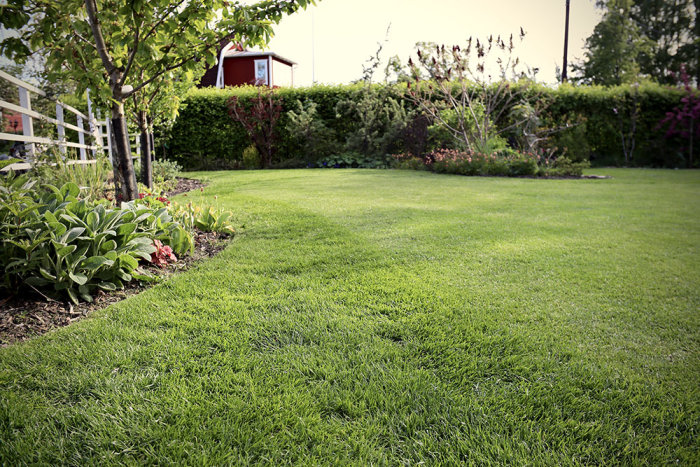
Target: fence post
27	123
81	138
61	129
98	130
93	127
109	139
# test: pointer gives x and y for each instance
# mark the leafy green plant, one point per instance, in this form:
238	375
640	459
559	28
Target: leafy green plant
408	162
310	132
562	167
166	170
165	174
356	160
378	119
54	168
507	163
251	157
206	219
53	241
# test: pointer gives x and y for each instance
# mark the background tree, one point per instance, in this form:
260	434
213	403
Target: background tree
158	104
118	48
641	38
612	51
668	24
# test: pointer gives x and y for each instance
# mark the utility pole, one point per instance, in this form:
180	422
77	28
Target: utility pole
313	46
697	35
566	43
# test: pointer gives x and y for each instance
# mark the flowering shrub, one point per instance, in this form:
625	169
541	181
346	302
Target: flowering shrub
684	120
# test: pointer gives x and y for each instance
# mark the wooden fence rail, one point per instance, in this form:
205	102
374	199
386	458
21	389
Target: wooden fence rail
27	137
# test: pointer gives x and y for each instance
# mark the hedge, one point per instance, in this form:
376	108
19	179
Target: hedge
204	136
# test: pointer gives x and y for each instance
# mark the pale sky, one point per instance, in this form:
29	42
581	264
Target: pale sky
346	32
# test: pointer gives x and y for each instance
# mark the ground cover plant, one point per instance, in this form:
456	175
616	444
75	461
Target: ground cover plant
392	317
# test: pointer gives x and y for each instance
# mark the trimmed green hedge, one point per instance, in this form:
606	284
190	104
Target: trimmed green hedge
605	111
204	136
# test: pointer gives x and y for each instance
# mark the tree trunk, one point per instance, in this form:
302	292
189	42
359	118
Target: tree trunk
146	167
125	180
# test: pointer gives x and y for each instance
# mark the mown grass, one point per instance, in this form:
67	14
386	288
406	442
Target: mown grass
390	317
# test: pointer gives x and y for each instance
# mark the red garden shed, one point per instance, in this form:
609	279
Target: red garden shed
237	66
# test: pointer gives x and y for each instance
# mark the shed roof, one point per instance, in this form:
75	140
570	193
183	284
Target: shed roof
233	53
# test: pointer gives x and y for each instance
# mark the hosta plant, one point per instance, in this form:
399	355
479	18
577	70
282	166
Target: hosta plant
54	242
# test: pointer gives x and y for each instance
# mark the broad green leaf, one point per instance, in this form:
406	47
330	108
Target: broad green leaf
36	281
72	295
126	277
126	229
70	189
66	250
95	262
128	262
78	278
109	246
72	234
47	274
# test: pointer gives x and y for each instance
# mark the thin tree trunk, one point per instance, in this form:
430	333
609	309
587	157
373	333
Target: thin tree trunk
146	167
122	155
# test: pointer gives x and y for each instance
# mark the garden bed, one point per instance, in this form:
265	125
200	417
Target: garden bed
25	316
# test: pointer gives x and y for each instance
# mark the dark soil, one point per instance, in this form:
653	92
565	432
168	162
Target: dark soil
185	185
26	315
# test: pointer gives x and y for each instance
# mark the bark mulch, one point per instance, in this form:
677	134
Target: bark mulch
26	315
184	185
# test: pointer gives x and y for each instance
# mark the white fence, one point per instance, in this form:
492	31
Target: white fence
27	137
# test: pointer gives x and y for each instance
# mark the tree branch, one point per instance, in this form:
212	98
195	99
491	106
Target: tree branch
159	74
162	19
132	55
94	22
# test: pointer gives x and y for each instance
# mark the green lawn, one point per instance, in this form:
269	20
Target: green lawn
392	317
